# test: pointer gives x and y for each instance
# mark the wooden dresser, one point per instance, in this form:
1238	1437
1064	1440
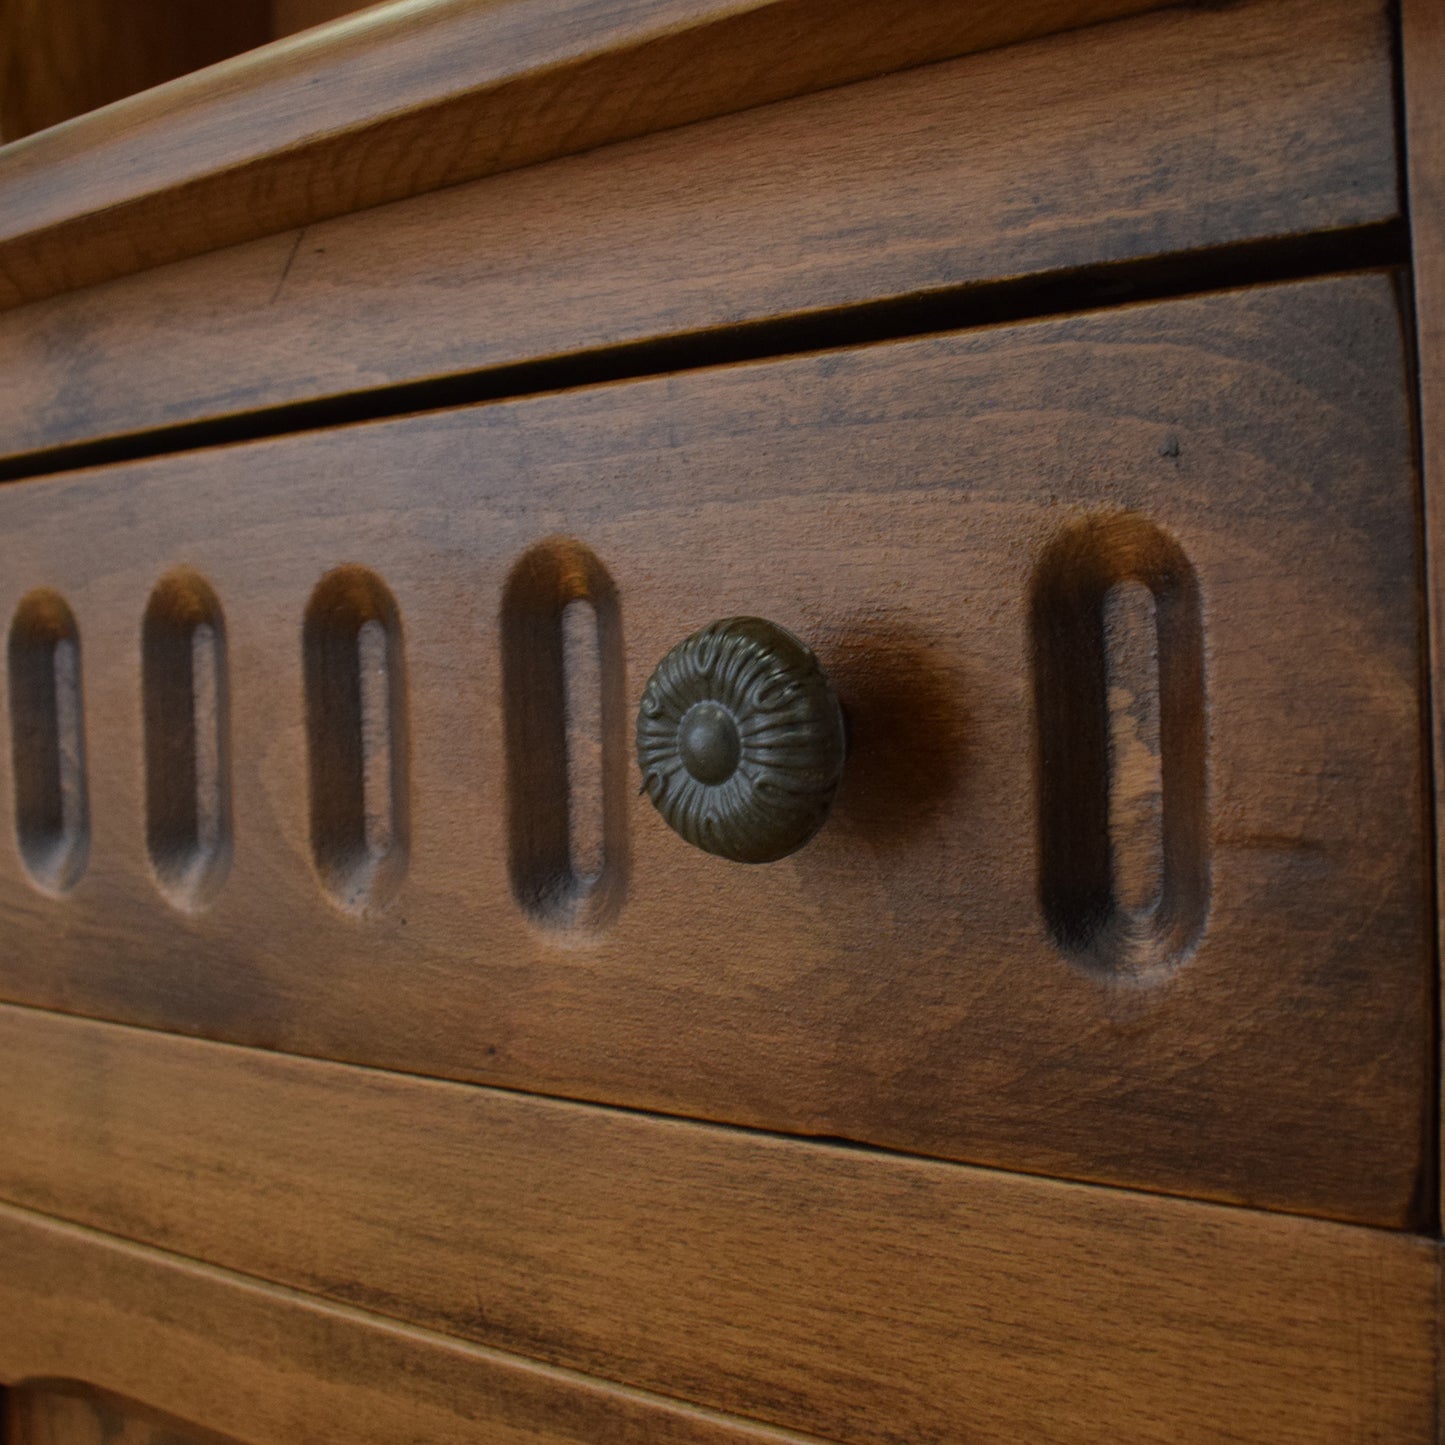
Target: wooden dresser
387	1051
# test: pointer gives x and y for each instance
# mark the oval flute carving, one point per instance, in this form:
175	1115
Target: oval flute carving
740	740
185	695
356	724
562	683
567	763
1120	712
47	740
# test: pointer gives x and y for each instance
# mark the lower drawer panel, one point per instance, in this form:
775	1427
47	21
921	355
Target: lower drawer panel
855	1296
1127	880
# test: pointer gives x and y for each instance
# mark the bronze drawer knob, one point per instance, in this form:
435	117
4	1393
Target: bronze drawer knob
740	740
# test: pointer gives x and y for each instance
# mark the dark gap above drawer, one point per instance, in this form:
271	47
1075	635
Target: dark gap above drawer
897	318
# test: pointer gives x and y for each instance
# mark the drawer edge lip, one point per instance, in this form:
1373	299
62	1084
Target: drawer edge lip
1371	248
325	98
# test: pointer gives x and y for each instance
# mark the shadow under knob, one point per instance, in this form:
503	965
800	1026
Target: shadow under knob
740	740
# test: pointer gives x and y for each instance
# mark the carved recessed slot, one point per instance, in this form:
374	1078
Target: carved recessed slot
562	672
1121	748
185	699
47	739
356	728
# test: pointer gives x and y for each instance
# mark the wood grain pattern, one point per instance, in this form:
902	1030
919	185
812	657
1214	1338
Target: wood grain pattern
1424	74
271	1367
1201	129
59	58
861	1297
896	982
412	97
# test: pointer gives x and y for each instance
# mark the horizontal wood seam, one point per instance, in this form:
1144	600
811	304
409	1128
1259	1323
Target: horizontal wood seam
970	306
833	1144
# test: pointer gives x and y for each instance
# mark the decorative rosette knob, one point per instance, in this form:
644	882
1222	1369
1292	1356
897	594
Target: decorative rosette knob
740	740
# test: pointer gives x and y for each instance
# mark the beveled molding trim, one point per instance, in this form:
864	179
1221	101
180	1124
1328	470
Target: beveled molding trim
85	1312
421	94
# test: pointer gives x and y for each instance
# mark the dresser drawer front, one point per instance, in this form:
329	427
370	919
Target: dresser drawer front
945	521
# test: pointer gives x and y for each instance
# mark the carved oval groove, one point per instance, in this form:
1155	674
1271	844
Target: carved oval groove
1119	697
186	706
47	741
357	738
566	736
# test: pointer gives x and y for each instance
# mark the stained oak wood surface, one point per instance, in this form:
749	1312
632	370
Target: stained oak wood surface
861	1297
1424	59
271	1367
414	96
932	973
1201	129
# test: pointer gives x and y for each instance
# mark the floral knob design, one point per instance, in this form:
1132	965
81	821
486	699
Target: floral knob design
740	740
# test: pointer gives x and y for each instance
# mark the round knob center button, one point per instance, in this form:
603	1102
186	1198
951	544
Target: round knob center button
709	743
